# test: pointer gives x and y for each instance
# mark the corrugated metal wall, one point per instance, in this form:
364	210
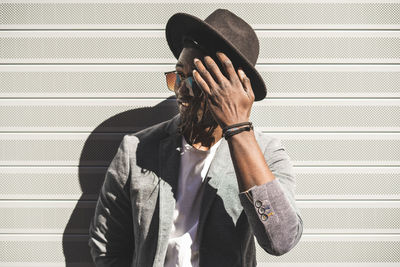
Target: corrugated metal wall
76	75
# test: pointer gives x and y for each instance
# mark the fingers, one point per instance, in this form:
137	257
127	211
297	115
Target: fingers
201	83
213	72
214	69
206	79
246	84
229	68
204	73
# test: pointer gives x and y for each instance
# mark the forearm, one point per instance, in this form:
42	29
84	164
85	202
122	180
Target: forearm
248	160
268	207
279	228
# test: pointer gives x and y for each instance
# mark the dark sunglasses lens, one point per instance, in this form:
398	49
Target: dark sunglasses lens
189	82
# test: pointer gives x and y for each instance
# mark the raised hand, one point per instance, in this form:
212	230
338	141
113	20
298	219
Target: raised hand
229	98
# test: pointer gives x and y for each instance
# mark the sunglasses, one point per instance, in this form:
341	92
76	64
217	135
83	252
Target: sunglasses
174	80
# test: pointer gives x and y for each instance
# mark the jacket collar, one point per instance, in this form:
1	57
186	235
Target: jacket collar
216	177
169	163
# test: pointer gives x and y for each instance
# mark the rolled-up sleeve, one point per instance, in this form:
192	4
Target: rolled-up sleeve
110	232
270	208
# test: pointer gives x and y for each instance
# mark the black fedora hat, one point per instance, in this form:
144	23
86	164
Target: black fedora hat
224	31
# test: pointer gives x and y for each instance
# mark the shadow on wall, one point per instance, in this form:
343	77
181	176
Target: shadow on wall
97	153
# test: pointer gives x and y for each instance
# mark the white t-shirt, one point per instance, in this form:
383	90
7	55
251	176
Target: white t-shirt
183	247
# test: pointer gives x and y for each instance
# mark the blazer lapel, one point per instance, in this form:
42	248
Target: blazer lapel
219	168
169	172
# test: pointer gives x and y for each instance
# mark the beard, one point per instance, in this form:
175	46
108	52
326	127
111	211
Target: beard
197	123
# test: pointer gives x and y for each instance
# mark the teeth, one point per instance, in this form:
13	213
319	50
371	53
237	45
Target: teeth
183	103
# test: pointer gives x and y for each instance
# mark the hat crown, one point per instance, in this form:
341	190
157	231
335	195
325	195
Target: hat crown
238	32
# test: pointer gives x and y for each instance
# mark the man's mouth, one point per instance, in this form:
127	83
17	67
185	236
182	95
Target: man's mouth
183	102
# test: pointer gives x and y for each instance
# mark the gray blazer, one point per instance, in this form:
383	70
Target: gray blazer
134	211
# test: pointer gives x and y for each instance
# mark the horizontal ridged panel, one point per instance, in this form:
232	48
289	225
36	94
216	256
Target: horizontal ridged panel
152	47
34	250
123	115
338	249
343	249
46	217
154	14
84	183
116	115
51	182
59	149
98	149
342	149
133	81
347	182
318	216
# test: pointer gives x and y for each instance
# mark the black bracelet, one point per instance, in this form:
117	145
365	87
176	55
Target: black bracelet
230	132
236	125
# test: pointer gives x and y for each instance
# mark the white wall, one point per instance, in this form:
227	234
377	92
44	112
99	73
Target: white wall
75	76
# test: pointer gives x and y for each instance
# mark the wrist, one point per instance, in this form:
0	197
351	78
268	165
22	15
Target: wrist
244	134
227	124
245	138
234	129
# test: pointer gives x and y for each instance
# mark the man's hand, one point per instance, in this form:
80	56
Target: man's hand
229	98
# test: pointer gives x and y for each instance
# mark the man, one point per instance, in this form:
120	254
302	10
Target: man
196	190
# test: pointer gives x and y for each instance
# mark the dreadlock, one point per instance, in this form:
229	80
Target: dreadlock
190	123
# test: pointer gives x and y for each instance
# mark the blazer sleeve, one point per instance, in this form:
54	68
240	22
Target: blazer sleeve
271	208
111	238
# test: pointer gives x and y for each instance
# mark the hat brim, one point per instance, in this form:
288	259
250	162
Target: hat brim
182	24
